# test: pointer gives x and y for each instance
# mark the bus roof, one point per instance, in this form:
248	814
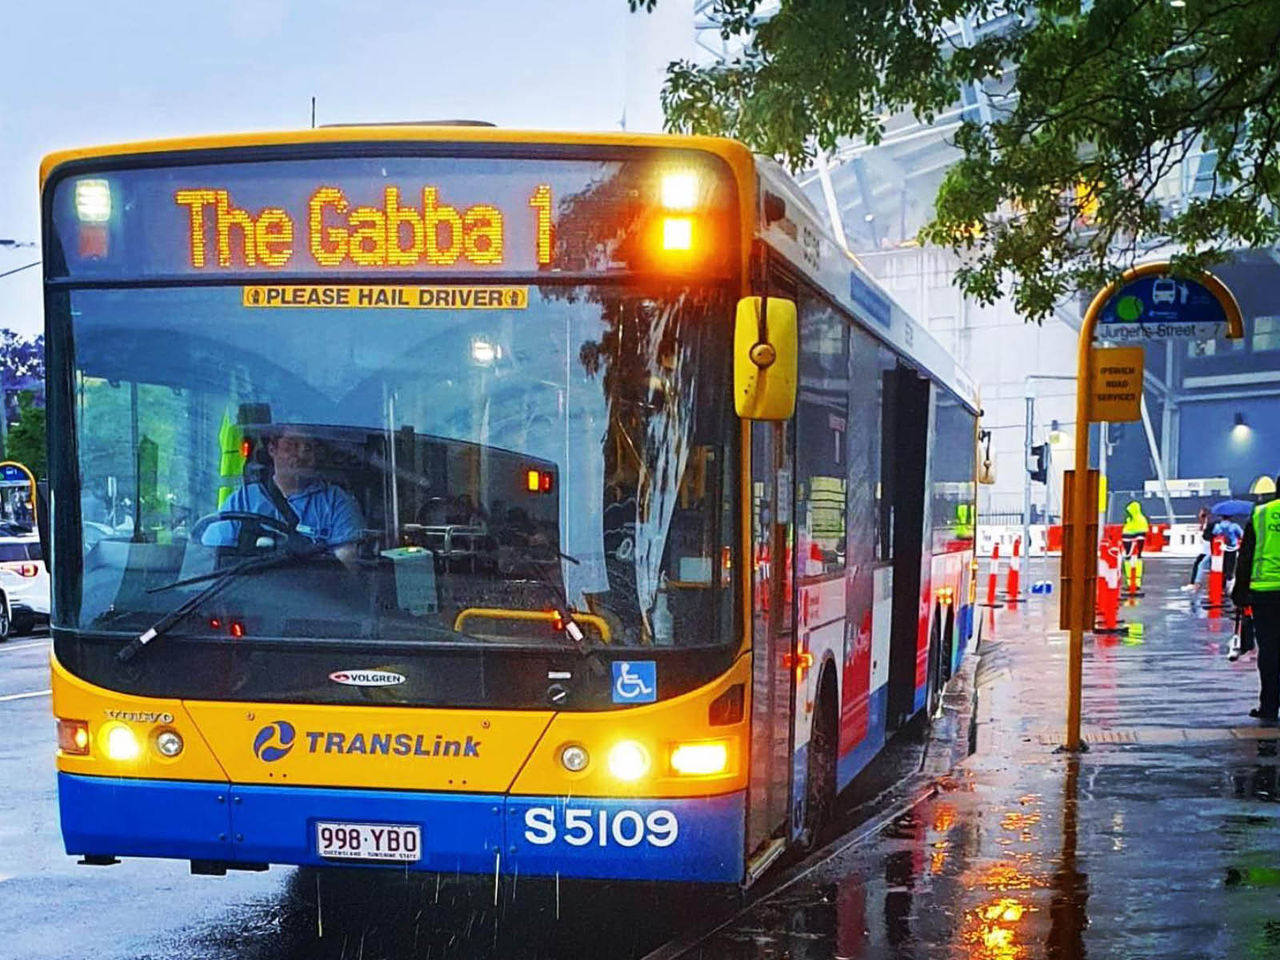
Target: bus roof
800	234
734	153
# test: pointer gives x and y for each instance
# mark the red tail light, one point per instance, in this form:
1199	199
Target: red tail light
92	243
539	481
28	569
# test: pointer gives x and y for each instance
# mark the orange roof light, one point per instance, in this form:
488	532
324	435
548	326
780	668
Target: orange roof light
677	233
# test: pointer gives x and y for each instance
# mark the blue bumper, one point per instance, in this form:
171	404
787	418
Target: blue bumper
688	839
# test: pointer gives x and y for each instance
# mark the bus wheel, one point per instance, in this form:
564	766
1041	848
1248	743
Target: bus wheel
820	781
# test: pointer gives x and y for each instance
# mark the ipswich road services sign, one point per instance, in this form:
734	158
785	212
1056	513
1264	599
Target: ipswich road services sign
1117	384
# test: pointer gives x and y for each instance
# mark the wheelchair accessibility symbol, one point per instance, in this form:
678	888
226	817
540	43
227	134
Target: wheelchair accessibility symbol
635	681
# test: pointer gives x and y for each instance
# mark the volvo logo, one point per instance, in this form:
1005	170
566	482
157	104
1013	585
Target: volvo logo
274	741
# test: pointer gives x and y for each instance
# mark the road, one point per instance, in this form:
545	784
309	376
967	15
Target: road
55	909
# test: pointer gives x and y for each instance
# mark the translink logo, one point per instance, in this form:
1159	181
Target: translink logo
275	740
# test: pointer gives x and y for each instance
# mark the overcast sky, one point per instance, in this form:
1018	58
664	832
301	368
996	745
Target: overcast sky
82	72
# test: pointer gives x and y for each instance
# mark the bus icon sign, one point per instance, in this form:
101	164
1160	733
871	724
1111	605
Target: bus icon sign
635	681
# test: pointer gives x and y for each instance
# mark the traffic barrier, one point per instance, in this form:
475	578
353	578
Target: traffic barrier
1108	593
1015	573
993	576
1214	602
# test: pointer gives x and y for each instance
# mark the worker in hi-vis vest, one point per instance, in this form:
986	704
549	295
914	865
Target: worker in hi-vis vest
1134	537
1258	587
231	458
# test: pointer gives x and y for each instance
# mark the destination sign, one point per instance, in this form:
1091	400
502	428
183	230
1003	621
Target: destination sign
425	215
335	233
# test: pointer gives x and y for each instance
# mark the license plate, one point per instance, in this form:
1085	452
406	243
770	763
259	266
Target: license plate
368	841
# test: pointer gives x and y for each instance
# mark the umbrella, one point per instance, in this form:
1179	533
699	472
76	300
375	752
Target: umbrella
1232	508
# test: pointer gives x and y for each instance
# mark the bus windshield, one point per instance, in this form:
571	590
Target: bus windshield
473	472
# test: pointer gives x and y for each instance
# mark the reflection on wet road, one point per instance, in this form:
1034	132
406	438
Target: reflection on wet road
1162	841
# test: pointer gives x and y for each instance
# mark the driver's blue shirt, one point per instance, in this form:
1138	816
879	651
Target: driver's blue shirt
326	513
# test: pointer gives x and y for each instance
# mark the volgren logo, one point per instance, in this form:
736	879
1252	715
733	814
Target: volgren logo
274	741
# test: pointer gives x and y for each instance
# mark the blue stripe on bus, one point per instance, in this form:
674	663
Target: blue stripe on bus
460	832
113	816
707	846
853	762
966	634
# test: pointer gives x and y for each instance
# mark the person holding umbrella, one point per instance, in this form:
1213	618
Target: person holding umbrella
1233	514
1257	587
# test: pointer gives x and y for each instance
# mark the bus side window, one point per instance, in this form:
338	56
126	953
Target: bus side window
822	423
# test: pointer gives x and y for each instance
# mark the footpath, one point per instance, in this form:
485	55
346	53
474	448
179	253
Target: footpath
1161	841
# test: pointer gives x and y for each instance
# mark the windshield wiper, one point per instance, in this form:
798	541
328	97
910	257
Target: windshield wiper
559	597
220	580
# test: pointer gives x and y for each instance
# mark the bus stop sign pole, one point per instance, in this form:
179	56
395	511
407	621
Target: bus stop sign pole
1147	303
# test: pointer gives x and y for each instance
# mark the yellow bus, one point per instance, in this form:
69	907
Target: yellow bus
482	501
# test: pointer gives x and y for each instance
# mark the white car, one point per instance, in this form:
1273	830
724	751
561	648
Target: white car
24	578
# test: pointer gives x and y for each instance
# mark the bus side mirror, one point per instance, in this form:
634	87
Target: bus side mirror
765	358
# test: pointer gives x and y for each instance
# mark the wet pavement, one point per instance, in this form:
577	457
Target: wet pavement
1163	840
977	841
53	909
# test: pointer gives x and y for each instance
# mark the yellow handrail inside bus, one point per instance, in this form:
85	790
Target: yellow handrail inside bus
545	616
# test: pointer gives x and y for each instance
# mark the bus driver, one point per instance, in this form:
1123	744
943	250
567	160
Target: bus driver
326	513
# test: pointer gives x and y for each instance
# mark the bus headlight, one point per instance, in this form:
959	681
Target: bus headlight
169	743
628	760
122	743
700	759
575	758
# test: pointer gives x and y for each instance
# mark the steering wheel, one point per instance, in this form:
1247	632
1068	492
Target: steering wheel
250	526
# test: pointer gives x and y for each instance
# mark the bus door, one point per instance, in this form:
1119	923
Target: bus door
904	447
773	635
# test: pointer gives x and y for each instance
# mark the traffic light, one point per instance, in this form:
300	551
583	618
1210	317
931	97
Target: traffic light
1038	463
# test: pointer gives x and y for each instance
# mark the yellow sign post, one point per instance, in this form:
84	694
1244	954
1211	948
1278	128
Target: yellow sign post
1147	303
